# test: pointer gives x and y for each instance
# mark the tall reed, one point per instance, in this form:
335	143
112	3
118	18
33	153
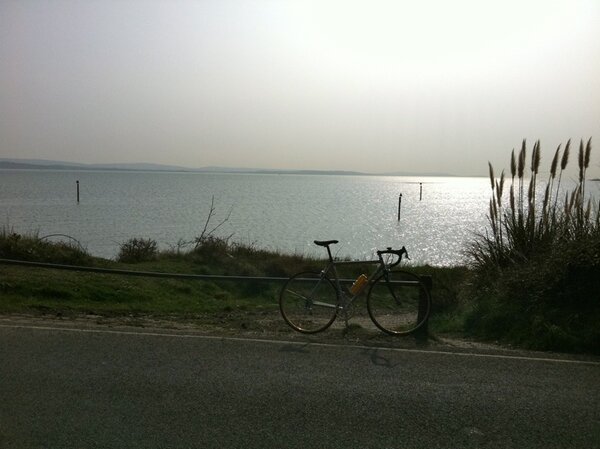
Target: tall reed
525	226
535	274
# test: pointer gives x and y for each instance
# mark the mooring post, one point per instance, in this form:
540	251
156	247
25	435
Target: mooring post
420	191
77	182
399	205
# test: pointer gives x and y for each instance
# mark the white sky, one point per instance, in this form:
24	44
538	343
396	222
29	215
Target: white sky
434	86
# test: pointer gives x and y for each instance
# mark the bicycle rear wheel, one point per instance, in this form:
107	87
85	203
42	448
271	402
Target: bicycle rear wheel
398	302
308	302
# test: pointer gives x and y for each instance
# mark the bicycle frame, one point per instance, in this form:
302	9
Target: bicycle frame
345	300
334	277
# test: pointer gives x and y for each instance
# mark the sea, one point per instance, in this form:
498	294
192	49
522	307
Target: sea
435	218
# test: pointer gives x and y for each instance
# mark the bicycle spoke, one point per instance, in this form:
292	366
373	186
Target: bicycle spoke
308	302
398	303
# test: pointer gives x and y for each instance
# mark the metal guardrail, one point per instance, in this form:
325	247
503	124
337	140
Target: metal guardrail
154	274
157	274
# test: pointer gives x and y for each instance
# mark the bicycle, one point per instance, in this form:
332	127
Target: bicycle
398	302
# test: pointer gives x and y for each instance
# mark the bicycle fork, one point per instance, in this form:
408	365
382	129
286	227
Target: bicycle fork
388	282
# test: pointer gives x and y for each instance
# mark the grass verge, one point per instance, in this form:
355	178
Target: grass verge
49	291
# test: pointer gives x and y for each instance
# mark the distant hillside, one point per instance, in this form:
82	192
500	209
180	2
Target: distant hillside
42	164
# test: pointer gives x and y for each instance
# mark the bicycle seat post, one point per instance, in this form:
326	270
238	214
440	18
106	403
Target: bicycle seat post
329	253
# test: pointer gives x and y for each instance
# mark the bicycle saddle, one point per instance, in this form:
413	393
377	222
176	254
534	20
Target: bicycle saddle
325	242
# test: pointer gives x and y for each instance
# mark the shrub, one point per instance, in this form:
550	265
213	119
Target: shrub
33	248
137	250
536	273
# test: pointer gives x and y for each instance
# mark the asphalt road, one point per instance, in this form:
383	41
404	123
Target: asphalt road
98	388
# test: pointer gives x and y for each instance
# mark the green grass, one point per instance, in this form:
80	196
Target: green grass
38	289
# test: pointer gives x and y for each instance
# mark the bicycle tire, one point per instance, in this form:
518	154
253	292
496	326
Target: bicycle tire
308	302
398	302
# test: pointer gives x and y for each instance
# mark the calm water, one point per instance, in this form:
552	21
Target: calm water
280	212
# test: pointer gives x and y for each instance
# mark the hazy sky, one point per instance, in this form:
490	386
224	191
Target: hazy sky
425	85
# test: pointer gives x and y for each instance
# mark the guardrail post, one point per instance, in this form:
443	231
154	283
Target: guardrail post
422	333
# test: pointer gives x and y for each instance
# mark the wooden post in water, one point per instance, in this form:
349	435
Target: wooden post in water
420	191
399	205
77	182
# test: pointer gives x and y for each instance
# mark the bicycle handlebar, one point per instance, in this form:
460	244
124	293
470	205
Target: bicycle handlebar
398	252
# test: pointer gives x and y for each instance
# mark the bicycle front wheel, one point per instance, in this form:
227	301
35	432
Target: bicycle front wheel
398	302
308	302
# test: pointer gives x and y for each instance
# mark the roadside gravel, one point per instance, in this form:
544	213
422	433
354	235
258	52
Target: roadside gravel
268	325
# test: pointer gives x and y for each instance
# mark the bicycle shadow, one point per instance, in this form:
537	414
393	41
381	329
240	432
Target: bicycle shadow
374	354
295	347
379	360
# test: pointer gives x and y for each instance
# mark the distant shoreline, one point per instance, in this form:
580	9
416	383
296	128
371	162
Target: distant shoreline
10	165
